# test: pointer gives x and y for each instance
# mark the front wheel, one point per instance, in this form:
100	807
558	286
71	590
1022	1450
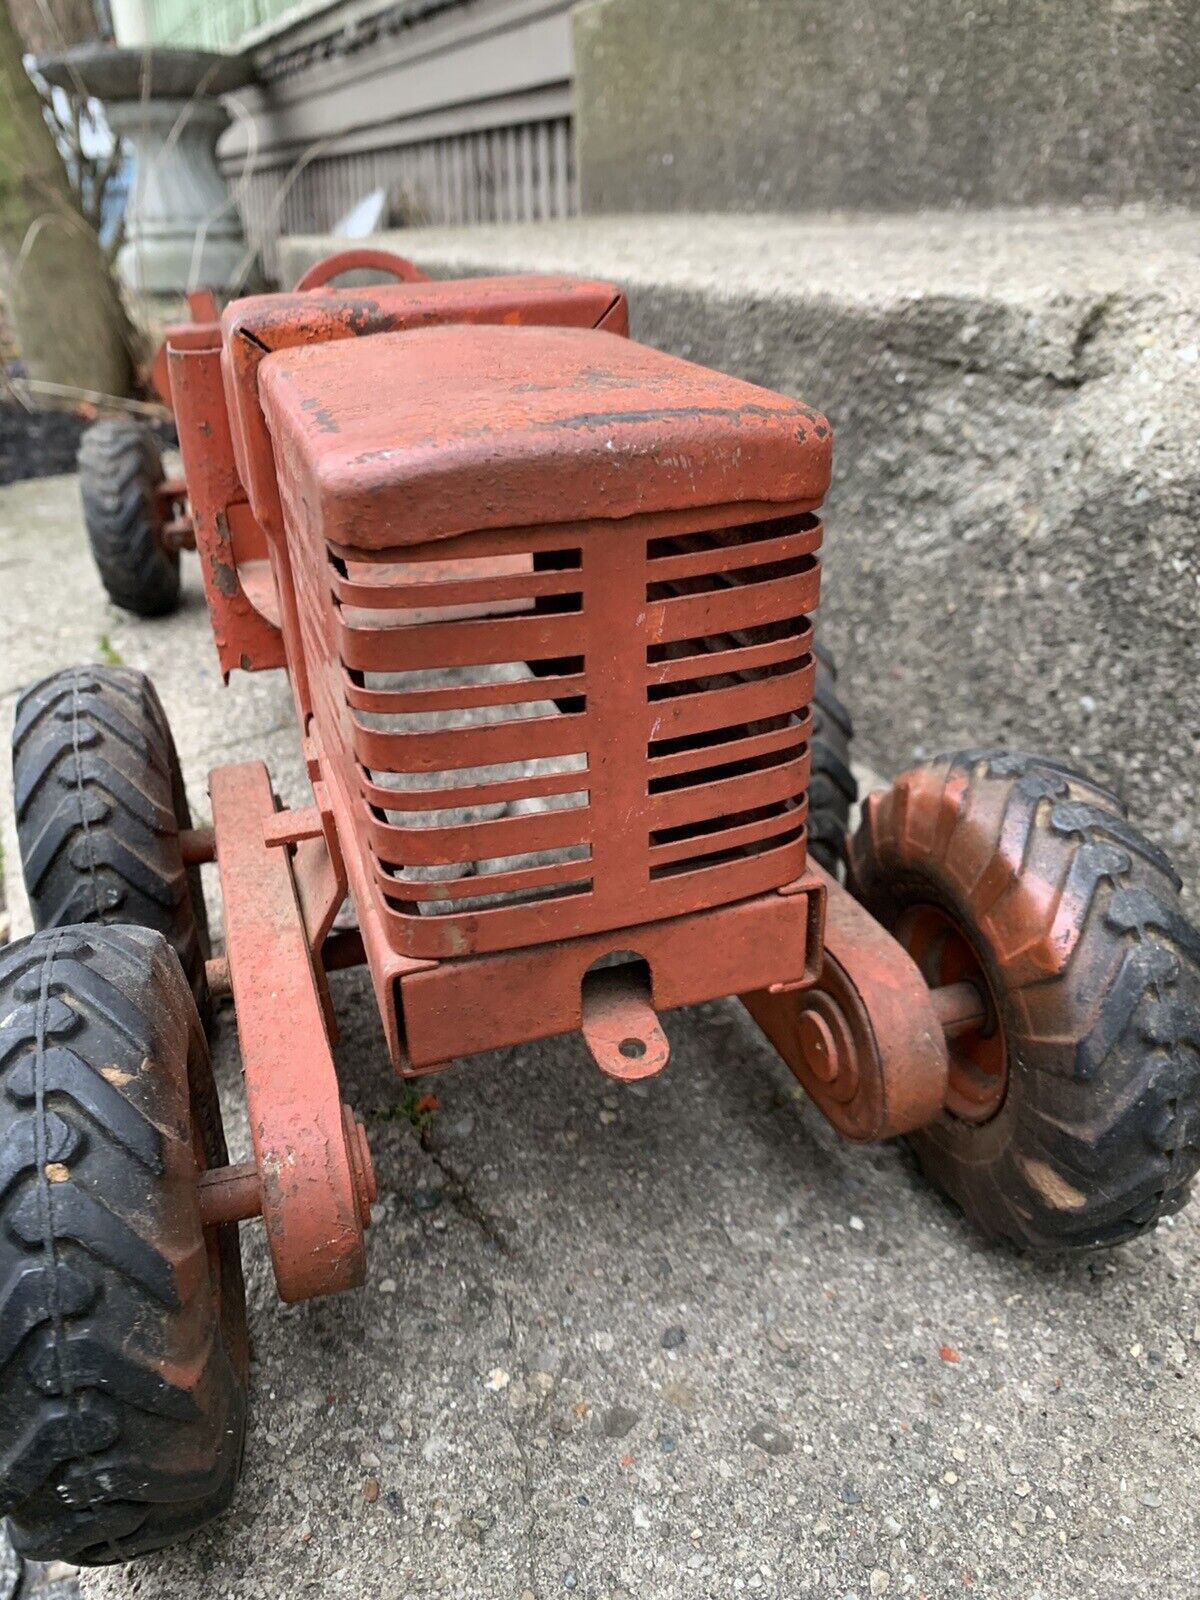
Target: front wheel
123	1350
100	805
1073	1112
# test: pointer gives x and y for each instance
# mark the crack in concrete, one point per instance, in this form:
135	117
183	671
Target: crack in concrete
464	1202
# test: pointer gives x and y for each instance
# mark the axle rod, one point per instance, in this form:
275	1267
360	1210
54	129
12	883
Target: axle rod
234	1193
197	845
230	1194
216	976
959	1007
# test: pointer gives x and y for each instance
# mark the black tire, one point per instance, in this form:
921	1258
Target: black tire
120	471
1093	978
123	1351
99	799
832	789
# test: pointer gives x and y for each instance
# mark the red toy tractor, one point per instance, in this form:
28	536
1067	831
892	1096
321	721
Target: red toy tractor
543	596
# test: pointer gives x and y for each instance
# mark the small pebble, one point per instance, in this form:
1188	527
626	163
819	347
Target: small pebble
496	1380
618	1421
773	1440
673	1338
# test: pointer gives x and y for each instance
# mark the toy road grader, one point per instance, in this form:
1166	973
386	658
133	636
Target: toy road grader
544	599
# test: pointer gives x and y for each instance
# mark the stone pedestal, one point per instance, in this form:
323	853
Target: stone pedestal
182	229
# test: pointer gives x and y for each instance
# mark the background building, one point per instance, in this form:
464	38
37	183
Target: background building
470	111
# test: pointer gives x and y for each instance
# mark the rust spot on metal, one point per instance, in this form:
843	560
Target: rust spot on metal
225	578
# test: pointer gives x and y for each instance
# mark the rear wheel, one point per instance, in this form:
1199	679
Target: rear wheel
120	475
1073	1112
100	801
123	1349
832	789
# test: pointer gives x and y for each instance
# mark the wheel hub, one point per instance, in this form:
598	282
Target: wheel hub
978	1077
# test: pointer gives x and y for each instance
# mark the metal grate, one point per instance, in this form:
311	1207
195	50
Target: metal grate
469	724
520	173
560	730
728	754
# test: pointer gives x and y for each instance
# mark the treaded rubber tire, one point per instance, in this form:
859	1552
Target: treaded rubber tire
120	471
123	1349
1095	974
832	789
99	799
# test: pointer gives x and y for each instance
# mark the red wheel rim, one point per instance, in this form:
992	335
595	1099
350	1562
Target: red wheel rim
978	1079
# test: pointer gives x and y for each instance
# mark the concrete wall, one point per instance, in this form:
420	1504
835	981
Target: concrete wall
783	105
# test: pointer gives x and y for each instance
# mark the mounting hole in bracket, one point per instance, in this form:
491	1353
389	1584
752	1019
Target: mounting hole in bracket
632	1049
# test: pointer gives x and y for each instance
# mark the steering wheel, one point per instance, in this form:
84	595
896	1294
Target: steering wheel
323	272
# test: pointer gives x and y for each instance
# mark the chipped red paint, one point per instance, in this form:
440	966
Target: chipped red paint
234	565
262	324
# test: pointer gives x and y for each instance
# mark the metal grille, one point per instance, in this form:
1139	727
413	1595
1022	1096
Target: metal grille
557	731
521	173
727	753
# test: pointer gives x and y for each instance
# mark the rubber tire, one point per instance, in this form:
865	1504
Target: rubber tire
123	1350
832	789
99	799
120	472
1095	973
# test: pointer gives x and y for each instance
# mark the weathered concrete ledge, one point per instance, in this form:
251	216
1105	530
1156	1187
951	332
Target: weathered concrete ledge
1014	531
772	105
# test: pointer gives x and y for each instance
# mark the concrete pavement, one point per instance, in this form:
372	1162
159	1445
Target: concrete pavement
676	1341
